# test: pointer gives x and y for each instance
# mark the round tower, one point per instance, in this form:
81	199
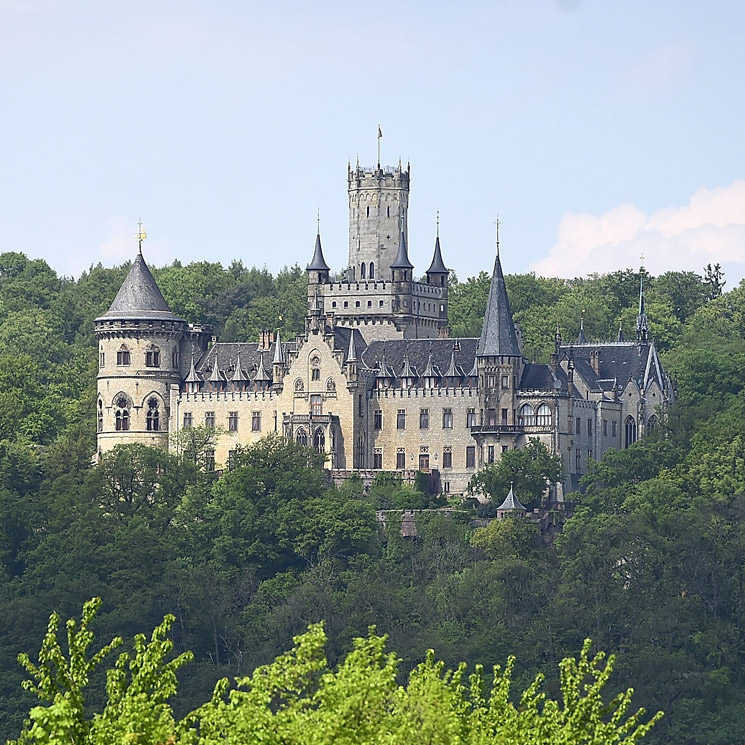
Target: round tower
378	207
139	345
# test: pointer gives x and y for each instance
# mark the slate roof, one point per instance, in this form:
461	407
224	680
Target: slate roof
438	265
139	297
226	354
417	351
402	257
318	263
511	502
542	377
498	336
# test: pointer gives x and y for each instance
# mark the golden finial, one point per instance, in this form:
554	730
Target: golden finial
141	235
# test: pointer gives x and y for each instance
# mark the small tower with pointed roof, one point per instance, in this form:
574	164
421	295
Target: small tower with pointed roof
139	345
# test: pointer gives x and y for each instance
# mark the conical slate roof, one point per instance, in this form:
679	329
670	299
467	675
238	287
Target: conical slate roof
402	257
498	336
318	263
511	502
438	265
139	297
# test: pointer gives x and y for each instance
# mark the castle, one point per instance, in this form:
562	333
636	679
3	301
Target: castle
375	382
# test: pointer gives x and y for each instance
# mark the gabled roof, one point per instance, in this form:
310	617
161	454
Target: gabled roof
498	335
318	263
139	297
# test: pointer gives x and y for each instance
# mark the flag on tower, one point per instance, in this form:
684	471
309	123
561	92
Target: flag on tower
380	132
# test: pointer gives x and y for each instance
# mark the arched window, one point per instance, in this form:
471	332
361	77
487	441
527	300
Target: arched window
362	270
526	415
99	420
152	356
652	423
301	438
153	415
122	355
319	441
543	416
368	211
122	414
630	431
372	270
315	368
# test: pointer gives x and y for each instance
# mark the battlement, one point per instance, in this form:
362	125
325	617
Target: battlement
365	177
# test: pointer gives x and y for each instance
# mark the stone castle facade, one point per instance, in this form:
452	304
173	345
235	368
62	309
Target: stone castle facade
375	382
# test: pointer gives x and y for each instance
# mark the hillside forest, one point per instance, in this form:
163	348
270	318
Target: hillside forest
651	566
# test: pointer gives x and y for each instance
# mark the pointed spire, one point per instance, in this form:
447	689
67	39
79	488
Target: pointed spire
352	349
557	338
215	374
407	371
193	376
582	339
438	265
452	371
279	357
262	375
620	331
430	371
511	503
402	257
642	324
498	335
318	263
238	376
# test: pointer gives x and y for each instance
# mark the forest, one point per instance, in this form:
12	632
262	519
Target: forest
651	566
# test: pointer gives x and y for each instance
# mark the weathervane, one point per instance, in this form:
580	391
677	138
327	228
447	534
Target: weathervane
141	235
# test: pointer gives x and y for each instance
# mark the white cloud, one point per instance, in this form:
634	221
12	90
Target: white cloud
709	229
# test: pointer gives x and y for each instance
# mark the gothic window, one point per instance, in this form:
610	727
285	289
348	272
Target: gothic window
630	431
122	356
121	414
188	420
319	441
363	268
447	418
233	421
526	415
368	210
651	423
423	418
301	438
153	415
315	368
99	421
543	416
372	269
387	211
316	405
256	421
209	419
152	356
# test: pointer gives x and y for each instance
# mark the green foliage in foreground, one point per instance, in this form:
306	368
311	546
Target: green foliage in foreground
298	698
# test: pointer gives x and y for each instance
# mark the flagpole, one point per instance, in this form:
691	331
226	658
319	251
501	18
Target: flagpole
380	134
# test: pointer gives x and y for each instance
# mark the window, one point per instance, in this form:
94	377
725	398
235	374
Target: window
122	356
526	415
490	454
505	448
209	419
255	421
188	421
233	421
401	419
613	428
319	441
301	438
543	416
630	431
101	359
446	487
578	460
651	423
447	458
315	373
209	460
400	459
447	418
589	427
377	419
316	405
174	358
424	461
360	405
471	418
423	418
121	415
471	456
377	459
99	420
372	266
152	356
363	270
231	460
589	456
504	416
153	415
578	426
505	381
605	427
492	417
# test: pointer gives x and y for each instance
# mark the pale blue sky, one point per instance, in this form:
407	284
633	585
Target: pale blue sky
597	130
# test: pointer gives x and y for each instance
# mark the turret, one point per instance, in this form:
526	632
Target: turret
139	345
437	274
